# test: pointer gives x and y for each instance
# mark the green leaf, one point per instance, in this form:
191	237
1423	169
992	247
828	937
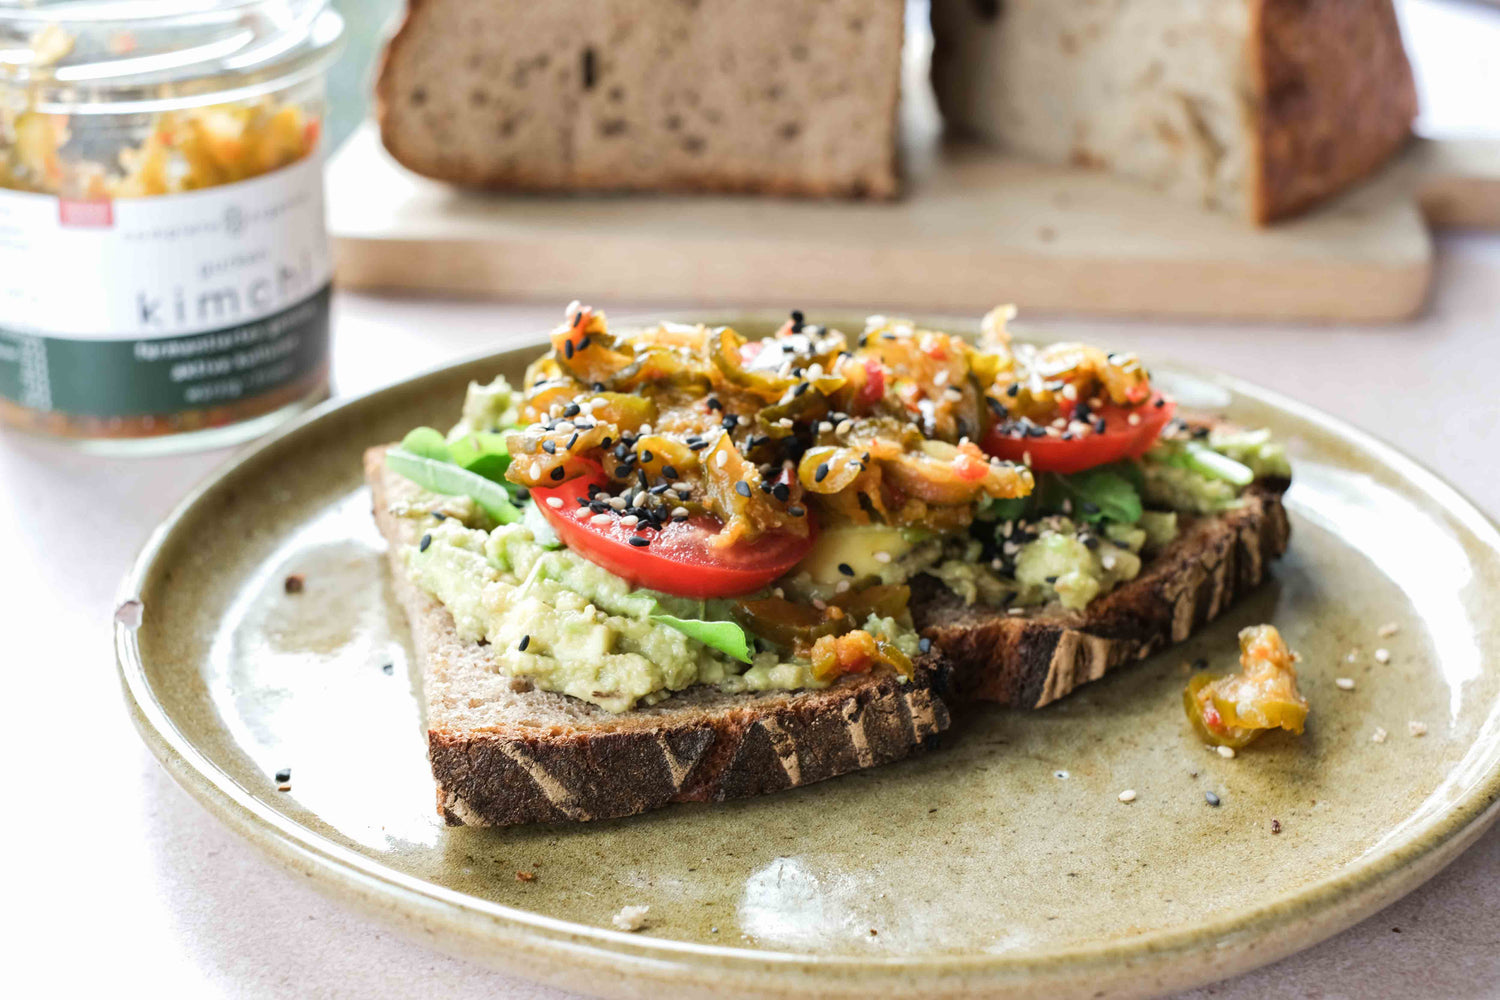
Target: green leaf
425	442
1103	494
726	637
448	479
483	453
1009	509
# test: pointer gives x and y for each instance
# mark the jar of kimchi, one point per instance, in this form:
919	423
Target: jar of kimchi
164	268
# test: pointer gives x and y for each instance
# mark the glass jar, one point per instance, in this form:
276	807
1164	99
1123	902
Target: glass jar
164	268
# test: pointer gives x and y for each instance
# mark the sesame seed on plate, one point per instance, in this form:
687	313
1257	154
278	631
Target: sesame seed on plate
1211	799
1344	683
1128	795
1387	630
1416	728
1382	656
1379	735
1226	752
555	503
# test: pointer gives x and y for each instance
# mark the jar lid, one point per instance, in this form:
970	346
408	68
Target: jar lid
122	56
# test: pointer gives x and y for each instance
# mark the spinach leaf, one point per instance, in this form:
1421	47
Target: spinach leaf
1102	494
425	442
483	453
450	480
726	637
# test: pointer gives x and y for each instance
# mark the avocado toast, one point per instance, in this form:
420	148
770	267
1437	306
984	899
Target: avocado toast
674	565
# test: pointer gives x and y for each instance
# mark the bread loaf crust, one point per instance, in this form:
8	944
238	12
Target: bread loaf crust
1337	98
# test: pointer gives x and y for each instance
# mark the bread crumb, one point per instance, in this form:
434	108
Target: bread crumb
630	918
1344	683
1226	752
1382	656
1128	795
285	786
1387	630
293	584
1379	735
525	877
1416	728
1275	826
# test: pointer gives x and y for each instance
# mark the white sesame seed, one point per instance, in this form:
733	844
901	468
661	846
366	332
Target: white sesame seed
941	378
645	429
679	512
640	498
629	520
820	604
1387	630
1070	391
1382	656
1128	795
824	427
600	519
842	587
555	503
882	557
1060	423
1344	683
618	503
1379	735
536	470
1015	611
1108	562
778	592
843	427
721	459
784	422
563	426
1133	420
1226	752
1416	728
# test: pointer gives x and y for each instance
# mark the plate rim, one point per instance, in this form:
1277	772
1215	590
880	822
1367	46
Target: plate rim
1232	943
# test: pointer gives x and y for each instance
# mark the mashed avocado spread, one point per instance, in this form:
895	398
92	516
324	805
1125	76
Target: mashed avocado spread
567	625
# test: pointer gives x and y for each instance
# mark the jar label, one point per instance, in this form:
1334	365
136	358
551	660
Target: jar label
161	305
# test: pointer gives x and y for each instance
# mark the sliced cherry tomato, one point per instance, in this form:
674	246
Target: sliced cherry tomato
679	559
873	391
1121	439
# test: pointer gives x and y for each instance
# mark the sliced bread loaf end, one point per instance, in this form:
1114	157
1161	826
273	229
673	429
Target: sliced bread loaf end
780	96
504	753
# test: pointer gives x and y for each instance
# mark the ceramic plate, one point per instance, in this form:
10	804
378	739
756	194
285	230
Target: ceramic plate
1002	863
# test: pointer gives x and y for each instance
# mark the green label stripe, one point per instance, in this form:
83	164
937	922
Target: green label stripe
125	378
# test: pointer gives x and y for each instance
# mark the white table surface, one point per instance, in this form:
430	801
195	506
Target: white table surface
116	878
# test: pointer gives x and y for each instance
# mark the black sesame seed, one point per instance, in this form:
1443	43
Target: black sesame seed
521	493
659	489
599	387
1013	389
606	442
1160	402
800	388
567	349
571	441
1100	426
994	405
1201	663
550	447
525	641
598	507
285	774
796	320
621	450
1212	799
924	644
670	471
846	569
426	541
558	473
697	445
742	488
640	474
646	455
388	668
583	343
639	542
796	511
583	501
731	421
571	410
781	491
714	404
821	473
440	515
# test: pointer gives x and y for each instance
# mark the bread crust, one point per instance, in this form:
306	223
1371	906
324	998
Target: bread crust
614	766
1336	98
1034	659
882	182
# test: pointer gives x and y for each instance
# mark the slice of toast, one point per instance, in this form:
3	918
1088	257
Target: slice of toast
1032	659
504	753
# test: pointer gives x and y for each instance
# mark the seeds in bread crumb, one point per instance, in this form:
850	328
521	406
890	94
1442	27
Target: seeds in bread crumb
426	541
1379	735
1416	728
1344	683
1211	799
1382	656
293	584
1128	795
1387	630
1226	752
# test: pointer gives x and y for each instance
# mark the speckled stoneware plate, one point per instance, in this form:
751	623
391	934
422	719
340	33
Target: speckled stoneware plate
1002	863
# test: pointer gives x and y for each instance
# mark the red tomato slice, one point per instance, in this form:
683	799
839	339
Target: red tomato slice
679	559
1121	439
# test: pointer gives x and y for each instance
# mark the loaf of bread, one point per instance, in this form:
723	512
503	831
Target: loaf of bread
1258	107
774	96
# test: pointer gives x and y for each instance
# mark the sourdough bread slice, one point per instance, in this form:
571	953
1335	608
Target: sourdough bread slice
775	96
1257	107
1033	659
505	753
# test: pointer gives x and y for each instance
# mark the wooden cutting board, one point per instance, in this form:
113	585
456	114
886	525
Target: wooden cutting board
975	228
